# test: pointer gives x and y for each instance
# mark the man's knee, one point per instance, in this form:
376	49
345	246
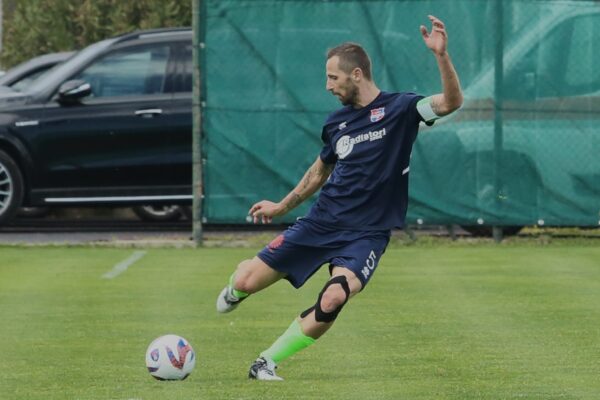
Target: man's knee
243	279
254	275
331	300
333	297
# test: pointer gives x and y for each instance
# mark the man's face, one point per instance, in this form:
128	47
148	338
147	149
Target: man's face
339	83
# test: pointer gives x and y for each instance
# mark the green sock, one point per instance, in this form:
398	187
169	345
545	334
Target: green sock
291	342
237	293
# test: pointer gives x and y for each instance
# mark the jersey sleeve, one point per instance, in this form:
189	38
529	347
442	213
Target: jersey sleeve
415	111
327	155
412	114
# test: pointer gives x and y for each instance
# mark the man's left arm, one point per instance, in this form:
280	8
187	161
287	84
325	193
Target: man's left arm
451	97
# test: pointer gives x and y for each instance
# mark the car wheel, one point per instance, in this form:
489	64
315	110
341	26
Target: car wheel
158	213
487	231
11	187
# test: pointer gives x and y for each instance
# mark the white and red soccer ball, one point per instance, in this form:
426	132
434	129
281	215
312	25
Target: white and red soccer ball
170	357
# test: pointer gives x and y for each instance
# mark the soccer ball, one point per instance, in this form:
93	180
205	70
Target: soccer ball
170	357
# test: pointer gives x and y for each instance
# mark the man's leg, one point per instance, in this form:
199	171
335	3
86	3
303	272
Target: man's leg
311	324
254	275
250	277
333	298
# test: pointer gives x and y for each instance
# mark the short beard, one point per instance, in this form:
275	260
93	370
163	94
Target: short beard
351	98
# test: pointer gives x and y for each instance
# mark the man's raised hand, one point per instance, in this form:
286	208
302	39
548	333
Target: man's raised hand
437	39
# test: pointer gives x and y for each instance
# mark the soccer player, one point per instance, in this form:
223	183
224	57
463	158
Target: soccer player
363	172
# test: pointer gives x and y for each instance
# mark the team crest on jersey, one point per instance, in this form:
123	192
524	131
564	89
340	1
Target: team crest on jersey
377	114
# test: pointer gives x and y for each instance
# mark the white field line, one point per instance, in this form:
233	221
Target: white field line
121	267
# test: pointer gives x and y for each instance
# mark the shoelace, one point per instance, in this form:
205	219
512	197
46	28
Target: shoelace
230	298
263	365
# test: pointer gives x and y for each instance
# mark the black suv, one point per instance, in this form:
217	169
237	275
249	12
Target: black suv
111	126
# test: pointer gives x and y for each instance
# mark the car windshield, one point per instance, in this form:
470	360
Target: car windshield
22	85
61	71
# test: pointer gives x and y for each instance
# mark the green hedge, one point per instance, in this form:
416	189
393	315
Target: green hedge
33	27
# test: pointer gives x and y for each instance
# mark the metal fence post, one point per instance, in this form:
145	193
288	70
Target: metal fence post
197	186
498	117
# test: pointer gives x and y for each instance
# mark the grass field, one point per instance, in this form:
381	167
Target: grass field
436	322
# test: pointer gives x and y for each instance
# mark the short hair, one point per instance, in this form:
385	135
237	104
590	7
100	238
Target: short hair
351	56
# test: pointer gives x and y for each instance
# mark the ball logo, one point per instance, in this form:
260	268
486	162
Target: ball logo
154	355
344	147
182	349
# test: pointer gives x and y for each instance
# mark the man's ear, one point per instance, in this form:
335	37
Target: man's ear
357	74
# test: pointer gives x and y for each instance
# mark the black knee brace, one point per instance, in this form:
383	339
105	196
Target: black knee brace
322	316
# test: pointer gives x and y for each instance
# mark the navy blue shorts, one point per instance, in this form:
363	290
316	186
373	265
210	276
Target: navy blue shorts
304	247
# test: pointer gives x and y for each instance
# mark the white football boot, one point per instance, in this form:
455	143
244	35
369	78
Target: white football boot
263	369
227	301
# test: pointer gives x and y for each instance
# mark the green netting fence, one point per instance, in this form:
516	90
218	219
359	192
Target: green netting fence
524	149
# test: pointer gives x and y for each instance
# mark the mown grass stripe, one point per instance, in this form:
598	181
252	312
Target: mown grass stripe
121	267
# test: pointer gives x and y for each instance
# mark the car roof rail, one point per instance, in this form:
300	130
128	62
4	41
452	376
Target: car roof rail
140	34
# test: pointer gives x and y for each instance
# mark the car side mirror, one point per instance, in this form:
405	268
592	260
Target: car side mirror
72	91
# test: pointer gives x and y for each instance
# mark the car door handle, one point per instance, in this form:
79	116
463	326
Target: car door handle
148	112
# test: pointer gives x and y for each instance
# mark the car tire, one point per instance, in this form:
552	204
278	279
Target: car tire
488	231
158	213
11	188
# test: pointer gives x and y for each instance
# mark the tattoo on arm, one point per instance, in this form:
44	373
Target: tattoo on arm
323	171
294	202
313	179
315	176
307	178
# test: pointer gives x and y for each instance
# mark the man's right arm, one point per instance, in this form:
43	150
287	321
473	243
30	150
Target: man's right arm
314	178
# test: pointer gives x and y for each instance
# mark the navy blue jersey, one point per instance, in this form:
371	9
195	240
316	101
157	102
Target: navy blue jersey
370	147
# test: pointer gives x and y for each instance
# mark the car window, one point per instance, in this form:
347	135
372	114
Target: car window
561	64
21	84
128	72
535	74
185	68
48	82
582	72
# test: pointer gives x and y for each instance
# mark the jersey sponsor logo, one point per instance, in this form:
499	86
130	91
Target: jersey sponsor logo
377	114
345	144
370	264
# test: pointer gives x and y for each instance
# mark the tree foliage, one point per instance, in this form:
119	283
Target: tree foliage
33	27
